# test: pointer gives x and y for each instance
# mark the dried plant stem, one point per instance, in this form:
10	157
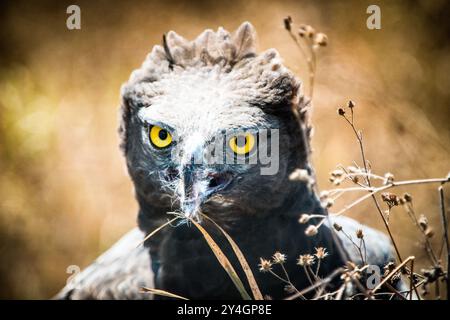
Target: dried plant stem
163	293
310	58
341	291
355	245
223	260
445	226
393	272
151	234
330	294
279	277
358	135
363	244
317	268
287	281
286	274
364	174
410	210
305	268
312	70
363	290
411	281
394	291
376	190
317	284
244	264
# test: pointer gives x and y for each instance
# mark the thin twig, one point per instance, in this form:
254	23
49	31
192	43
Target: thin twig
445	226
411	212
151	234
358	135
318	284
393	272
389	186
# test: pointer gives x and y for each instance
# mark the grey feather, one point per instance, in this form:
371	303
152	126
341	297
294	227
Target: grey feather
119	273
245	40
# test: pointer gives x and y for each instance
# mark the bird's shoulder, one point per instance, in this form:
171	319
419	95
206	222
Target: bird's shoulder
119	273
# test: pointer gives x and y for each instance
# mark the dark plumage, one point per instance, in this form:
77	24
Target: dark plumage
193	90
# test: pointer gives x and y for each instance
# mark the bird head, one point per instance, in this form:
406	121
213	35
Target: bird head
210	126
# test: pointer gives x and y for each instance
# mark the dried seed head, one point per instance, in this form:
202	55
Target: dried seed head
305	260
278	258
337	227
289	288
336	181
288	23
321	39
300	175
304	218
423	222
390	199
388	178
407	197
324	194
429	232
327	203
341	111
337	173
350	104
310	31
321	253
388	268
311	230
359	234
264	265
307	30
337	176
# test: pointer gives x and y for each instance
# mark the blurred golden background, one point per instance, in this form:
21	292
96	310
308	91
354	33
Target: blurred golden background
64	193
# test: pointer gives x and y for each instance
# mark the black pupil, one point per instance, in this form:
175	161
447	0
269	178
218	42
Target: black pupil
162	134
241	141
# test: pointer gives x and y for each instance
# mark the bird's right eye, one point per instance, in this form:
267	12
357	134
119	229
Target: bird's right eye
159	137
242	144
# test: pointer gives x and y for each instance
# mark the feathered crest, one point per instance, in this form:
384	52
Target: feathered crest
260	79
212	47
208	49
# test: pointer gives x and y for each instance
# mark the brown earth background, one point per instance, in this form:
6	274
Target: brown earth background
64	193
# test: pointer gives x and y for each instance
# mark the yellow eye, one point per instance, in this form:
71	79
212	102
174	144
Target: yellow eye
159	137
242	144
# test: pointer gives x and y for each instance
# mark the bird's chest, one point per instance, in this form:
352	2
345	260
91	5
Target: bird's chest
189	268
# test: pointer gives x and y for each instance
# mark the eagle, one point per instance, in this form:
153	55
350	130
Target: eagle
193	117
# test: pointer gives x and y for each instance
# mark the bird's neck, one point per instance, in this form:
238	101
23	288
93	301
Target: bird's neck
177	250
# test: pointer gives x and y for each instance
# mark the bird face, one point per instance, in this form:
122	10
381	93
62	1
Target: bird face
201	147
210	126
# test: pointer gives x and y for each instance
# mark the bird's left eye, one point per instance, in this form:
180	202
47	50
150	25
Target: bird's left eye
159	137
242	144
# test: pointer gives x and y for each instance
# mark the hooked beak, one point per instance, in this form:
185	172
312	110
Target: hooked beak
197	185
